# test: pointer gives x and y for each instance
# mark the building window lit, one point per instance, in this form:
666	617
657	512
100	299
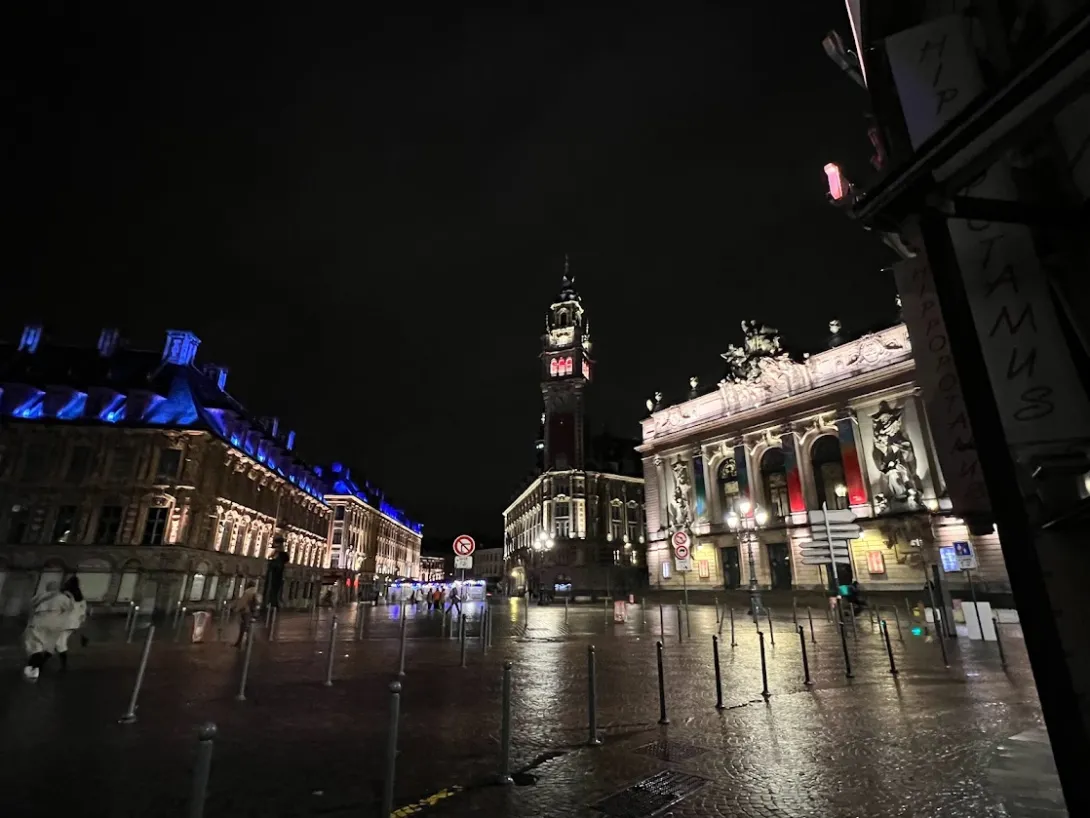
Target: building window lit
338	513
155	526
562	519
727	480
774	477
109	525
166	470
18	521
64	524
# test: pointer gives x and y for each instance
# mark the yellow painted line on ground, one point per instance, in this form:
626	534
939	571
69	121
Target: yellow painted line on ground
424	803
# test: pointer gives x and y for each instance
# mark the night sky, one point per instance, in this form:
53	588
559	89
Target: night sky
366	217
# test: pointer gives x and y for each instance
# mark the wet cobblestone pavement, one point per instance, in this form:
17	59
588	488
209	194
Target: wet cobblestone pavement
923	742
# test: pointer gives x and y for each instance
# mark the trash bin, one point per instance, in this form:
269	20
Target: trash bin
200	622
620	611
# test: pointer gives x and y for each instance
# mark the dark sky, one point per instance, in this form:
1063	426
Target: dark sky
365	217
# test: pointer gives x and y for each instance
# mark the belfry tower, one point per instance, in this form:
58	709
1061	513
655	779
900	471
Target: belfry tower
566	369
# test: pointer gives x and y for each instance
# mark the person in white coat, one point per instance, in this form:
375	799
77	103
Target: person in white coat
54	616
76	617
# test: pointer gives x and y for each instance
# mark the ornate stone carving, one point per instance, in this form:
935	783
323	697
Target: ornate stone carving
895	458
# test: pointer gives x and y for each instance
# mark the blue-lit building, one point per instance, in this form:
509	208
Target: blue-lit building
371	543
137	470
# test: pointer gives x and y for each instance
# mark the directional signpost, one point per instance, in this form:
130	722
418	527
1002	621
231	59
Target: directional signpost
832	532
464	546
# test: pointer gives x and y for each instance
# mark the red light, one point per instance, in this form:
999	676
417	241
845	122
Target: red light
567	366
836	181
553	367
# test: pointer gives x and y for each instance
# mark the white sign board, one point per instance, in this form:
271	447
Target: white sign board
463	562
684	566
966	557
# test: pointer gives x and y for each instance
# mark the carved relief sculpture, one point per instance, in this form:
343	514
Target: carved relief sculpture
895	458
680	512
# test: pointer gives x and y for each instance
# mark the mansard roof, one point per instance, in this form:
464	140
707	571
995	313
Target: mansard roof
341	482
113	385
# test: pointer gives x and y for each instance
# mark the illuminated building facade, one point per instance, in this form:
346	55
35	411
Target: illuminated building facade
137	471
845	427
578	526
433	569
371	543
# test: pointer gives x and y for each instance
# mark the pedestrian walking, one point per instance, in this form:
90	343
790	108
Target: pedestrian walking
55	615
455	600
246	607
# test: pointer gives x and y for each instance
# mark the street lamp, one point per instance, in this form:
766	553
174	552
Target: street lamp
744	520
841	492
544	542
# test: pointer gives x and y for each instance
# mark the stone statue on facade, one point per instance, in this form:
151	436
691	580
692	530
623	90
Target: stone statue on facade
761	345
680	513
895	458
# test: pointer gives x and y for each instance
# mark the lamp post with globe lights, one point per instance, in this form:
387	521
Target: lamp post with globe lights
542	544
745	519
841	492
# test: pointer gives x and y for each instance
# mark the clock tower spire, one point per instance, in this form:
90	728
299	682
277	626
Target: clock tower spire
566	369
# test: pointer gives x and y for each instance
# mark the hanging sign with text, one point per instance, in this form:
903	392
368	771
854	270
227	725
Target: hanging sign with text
940	384
1037	391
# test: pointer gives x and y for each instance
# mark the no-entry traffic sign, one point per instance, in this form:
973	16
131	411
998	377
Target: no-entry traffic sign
681	545
464	545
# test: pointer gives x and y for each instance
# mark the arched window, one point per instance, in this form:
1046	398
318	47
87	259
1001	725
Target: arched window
553	367
829	471
774	480
94	579
567	366
726	478
562	318
227	526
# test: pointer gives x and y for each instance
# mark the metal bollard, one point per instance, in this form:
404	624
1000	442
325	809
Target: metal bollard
130	714
771	632
716	600
680	635
180	625
805	659
462	637
999	643
688	622
391	749
889	648
908	608
132	623
274	634
128	617
332	653
810	617
662	687
764	666
847	658
491	619
241	697
505	729
592	699
732	642
484	630
897	619
565	610
268	616
662	622
718	674
794	611
401	648
202	769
